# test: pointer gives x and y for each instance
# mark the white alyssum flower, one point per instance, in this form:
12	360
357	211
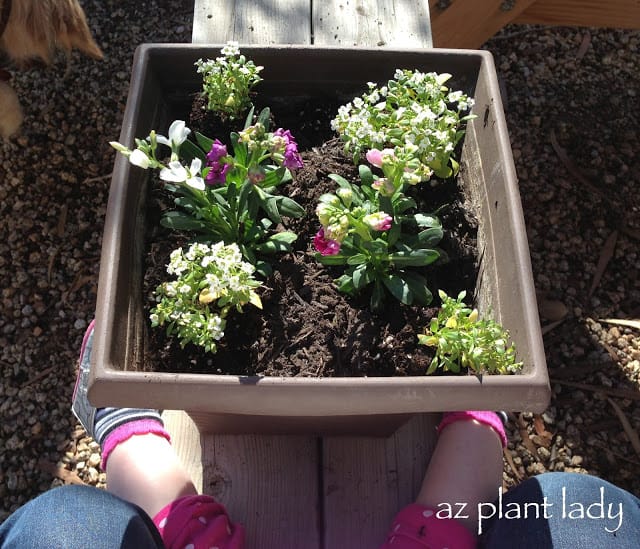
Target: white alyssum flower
230	49
211	280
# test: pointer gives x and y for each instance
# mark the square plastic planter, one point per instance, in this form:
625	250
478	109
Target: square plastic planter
163	81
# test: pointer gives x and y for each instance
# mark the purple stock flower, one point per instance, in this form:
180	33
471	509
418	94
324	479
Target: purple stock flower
218	150
292	159
218	170
324	245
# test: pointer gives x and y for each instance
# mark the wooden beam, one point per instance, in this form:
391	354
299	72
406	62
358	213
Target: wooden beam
267	483
368	480
470	23
373	23
185	439
252	21
624	14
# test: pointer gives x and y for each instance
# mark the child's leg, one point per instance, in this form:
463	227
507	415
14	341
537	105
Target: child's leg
143	468
140	462
464	471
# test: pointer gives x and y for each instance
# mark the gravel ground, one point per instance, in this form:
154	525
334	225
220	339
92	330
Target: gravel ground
570	96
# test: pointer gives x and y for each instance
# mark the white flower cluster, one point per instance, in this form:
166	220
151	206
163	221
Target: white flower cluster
210	281
415	114
144	156
227	81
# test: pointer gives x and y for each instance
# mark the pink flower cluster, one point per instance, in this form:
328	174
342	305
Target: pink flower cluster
325	246
292	159
218	172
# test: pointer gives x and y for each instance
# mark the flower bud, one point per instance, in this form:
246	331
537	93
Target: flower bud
346	195
379	221
323	211
256	174
140	159
206	296
384	187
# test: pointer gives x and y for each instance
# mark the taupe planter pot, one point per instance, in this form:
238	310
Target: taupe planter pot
163	78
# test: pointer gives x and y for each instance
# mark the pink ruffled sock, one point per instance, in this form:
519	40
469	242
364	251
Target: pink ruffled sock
491	419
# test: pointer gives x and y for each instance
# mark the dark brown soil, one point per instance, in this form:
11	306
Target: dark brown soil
308	328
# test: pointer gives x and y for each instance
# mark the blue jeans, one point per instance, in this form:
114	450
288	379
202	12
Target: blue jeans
562	511
78	517
553	510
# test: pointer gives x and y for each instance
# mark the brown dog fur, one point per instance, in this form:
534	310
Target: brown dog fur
34	30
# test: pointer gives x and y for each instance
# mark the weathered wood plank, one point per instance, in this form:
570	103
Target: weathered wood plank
396	23
269	484
252	21
469	23
185	439
367	481
624	14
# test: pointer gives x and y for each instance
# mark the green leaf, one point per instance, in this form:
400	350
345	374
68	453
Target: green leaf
416	258
394	234
270	206
433	366
341	181
399	288
426	220
189	150
376	246
366	176
418	285
274	177
181	222
290	207
337	259
386	205
361	276
345	285
263	269
264	117
377	297
357	259
403	204
249	120
205	142
430	237
273	246
284	236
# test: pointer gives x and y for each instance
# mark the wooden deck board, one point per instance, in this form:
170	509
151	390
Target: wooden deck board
252	21
393	23
267	483
366	481
185	438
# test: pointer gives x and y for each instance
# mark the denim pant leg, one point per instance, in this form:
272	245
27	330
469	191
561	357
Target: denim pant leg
77	517
563	511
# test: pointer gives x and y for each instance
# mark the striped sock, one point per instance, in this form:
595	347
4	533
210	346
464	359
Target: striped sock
108	420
